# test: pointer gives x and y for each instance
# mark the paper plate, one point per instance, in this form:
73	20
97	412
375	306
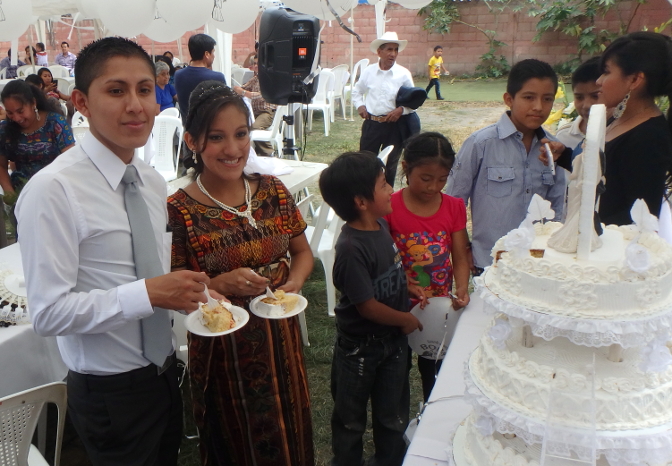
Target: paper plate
438	321
195	326
300	307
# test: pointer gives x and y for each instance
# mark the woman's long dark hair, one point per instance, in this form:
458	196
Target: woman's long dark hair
649	53
205	102
39	73
27	95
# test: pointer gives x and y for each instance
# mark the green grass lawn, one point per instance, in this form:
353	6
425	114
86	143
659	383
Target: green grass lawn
477	90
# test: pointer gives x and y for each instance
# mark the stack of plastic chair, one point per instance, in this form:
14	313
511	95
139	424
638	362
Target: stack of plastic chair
166	154
323	100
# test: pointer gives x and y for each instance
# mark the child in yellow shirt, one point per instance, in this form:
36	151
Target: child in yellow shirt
434	71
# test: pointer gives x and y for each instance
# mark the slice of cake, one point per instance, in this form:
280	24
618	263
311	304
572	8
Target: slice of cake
278	307
218	319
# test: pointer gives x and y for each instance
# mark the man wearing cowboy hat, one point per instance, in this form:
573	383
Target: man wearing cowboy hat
375	96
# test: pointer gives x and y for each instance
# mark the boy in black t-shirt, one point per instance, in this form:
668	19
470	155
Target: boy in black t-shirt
371	357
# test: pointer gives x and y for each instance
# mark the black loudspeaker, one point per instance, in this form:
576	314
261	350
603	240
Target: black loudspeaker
288	44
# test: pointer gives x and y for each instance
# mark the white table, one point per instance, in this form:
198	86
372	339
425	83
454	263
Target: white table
441	417
304	174
26	359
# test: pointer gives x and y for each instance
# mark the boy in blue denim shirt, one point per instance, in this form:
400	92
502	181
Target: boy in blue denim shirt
371	357
498	169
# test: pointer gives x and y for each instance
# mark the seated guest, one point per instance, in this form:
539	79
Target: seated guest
30	55
169	55
66	58
6	64
171	68
41	56
35	80
263	111
165	93
51	86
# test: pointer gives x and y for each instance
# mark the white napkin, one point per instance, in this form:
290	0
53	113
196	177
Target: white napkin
266	165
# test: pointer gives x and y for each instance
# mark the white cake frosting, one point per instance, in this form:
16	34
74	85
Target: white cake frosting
520	378
603	288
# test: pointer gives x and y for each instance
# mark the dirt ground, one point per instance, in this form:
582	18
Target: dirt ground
459	119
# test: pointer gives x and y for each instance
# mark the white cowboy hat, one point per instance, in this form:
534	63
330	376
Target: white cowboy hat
387	38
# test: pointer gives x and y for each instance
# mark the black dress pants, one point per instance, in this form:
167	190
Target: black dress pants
130	419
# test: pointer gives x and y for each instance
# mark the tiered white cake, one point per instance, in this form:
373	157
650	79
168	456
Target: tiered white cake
576	361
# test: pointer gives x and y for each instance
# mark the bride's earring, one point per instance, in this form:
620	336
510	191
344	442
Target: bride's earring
620	108
193	156
37	114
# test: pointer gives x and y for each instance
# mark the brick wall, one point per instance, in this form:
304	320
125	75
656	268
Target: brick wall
462	46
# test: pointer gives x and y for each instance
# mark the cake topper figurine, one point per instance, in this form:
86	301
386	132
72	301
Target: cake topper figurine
578	234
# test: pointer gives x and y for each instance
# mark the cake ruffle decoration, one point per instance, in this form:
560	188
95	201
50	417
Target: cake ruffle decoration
485	425
519	241
500	332
656	356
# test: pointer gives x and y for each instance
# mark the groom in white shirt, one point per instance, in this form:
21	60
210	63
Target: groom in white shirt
77	237
375	96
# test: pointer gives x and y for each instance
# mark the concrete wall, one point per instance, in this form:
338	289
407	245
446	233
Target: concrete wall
462	46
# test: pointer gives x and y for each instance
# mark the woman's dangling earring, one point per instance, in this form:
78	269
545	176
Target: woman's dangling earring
620	108
37	114
193	156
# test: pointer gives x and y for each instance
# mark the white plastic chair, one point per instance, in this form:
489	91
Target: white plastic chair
356	70
25	70
63	85
322	240
3	73
59	71
19	414
71	88
166	157
274	132
339	84
322	100
385	153
171	111
80	126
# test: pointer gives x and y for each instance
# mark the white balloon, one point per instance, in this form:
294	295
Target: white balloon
320	9
186	14
438	320
162	31
126	18
414	4
234	16
18	16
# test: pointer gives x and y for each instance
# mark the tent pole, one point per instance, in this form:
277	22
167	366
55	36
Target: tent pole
352	49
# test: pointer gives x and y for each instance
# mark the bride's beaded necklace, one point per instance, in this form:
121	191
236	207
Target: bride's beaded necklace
248	201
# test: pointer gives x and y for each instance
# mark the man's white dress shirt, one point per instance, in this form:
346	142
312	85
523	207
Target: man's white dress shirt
78	258
377	89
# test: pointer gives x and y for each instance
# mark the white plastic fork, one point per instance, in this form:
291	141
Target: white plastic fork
269	293
212	302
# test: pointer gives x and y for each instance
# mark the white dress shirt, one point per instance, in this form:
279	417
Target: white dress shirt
570	133
78	257
377	89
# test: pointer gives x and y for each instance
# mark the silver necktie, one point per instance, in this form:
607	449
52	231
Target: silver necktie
156	331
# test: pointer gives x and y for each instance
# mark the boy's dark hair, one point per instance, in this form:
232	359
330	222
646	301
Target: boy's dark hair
171	53
64	42
199	44
587	72
205	103
40	46
350	175
438	47
429	147
92	59
528	69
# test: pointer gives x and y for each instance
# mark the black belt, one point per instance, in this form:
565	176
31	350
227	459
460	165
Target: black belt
125	380
370	336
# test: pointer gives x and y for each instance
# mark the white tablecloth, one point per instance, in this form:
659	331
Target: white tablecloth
304	174
441	417
26	359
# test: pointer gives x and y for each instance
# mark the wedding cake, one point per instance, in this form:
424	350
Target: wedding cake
575	367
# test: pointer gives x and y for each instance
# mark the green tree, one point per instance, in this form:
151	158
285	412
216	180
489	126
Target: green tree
576	18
